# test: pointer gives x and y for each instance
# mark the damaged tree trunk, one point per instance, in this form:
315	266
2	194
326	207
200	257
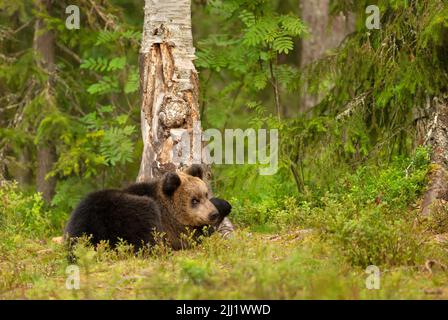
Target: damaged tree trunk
170	92
169	84
436	137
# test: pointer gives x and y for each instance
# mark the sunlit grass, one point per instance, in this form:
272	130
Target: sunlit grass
294	265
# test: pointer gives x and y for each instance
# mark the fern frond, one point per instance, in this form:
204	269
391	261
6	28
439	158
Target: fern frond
248	18
292	25
132	82
283	44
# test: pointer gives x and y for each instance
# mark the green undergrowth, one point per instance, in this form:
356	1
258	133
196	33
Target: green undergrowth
250	265
290	247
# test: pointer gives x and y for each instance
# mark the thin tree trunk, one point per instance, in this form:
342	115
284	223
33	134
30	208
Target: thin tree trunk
435	135
44	47
24	173
170	90
46	156
326	33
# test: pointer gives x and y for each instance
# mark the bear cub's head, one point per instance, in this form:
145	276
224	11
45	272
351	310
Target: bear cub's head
188	196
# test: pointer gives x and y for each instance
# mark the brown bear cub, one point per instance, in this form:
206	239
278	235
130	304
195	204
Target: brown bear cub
176	204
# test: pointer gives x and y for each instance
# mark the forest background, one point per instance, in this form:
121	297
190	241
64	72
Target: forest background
358	149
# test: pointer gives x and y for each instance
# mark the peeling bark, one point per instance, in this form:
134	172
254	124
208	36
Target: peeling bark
169	83
170	89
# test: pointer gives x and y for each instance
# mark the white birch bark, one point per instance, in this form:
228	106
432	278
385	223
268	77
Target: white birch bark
169	83
170	88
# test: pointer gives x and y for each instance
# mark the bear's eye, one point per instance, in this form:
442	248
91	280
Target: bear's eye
195	202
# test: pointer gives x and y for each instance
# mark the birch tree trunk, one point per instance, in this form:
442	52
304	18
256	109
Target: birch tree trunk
44	47
170	91
169	84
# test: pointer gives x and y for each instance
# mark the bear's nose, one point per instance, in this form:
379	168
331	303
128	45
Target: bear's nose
213	216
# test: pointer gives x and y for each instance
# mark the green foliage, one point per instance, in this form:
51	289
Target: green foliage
346	190
387	75
101	64
248	266
99	144
194	271
364	215
132	83
247	50
24	214
89	112
107	37
104	86
276	32
376	238
396	185
116	145
344	169
69	193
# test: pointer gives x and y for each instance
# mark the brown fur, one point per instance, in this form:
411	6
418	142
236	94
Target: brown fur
181	217
163	205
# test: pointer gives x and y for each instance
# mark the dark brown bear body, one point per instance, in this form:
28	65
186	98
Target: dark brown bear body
176	204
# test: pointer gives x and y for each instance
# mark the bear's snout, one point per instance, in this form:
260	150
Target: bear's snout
214	216
223	207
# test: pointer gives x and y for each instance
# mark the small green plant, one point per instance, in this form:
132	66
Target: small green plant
22	213
194	271
374	235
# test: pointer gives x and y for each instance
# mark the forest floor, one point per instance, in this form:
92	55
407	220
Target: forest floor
250	265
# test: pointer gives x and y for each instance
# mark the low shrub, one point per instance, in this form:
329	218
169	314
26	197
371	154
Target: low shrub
23	213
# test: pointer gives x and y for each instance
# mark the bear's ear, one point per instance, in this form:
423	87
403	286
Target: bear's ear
195	170
170	183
